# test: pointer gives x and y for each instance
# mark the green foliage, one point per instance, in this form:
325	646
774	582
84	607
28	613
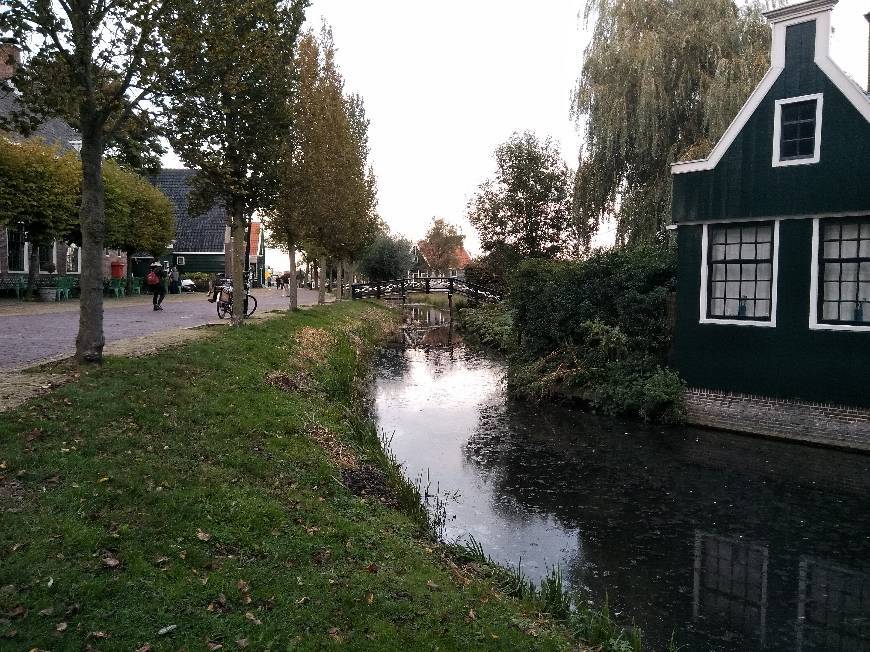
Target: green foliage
625	288
526	206
660	82
440	247
491	325
494	269
596	627
386	258
39	190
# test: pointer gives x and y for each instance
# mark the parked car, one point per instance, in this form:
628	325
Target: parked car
187	285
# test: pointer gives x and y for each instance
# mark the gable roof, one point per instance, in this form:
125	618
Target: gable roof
255	238
193	233
53	131
780	19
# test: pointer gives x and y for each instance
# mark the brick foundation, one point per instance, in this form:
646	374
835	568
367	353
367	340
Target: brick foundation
818	423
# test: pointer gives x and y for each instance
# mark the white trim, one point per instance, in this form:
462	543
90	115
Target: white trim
817	11
702	316
179	260
777	131
197	253
769	218
815	325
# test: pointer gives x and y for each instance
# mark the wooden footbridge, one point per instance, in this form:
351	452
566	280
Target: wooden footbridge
400	288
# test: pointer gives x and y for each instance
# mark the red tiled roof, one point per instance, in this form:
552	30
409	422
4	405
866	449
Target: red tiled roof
462	257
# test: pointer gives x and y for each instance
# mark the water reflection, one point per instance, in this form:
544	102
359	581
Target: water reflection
734	543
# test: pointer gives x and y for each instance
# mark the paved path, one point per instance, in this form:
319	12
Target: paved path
33	333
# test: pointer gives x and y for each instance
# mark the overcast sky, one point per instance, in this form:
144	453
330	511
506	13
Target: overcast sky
444	83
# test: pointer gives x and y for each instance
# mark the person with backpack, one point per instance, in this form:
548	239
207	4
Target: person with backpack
154	280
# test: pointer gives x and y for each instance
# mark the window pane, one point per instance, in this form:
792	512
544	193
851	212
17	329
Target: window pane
747	252
806	148
732	251
832	250
718	272
765	234
731	307
718	236
16	245
848	290
864	272
46	258
748	273
72	259
732	289
762	309
765	272
832	232
763	290
830	310
747	290
832	271
864	249
733	272
850	231
719	252
807	130
763	251
850	272
865	230
718	290
831	292
849	249
718	308
847	310
788	149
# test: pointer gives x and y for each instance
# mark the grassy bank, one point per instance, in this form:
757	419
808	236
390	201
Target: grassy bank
232	494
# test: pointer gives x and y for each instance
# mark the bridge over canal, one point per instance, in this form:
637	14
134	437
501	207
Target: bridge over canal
400	288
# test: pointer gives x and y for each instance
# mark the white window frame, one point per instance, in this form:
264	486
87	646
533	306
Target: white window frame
179	260
815	324
777	131
26	257
53	258
705	246
78	256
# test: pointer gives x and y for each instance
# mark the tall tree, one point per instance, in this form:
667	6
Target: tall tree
526	205
326	199
660	82
94	61
386	258
229	84
441	245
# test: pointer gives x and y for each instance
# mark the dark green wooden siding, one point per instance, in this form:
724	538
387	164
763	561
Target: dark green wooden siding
745	184
203	263
788	361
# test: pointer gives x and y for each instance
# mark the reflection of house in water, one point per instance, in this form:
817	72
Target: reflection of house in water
730	584
833	607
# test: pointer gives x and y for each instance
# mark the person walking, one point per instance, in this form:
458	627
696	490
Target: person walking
174	280
155	280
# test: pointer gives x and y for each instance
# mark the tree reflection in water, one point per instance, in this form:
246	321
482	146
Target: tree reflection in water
734	543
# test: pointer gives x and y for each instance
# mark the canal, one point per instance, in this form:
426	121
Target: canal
730	542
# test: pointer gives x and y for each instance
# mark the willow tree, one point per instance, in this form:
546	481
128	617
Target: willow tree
661	80
93	62
229	84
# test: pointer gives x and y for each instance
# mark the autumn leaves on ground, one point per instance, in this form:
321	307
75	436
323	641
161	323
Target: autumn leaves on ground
142	509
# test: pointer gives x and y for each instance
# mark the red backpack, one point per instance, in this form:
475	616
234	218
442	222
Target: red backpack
152	278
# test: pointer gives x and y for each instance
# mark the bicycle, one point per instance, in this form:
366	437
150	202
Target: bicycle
225	300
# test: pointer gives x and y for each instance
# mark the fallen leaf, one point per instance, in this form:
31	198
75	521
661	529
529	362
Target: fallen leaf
370	598
243	586
335	633
215	646
302	600
100	635
166	630
18	612
110	561
250	616
50	582
145	648
105	478
242	642
48	611
61	627
372	568
432	586
201	535
472	615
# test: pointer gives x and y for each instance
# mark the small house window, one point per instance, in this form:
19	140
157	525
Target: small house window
46	258
16	246
845	270
740	272
797	130
73	253
179	260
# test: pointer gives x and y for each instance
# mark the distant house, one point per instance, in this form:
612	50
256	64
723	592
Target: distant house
773	232
202	242
421	268
14	248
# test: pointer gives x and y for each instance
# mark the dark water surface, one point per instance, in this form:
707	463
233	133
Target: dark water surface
732	542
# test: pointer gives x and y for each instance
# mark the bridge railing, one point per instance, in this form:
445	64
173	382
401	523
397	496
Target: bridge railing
433	284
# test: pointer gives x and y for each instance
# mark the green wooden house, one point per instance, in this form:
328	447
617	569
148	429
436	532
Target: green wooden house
773	232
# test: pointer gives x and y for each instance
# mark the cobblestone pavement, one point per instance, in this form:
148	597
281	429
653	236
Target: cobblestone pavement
35	333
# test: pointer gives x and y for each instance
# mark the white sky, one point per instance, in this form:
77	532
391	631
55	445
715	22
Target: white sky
444	83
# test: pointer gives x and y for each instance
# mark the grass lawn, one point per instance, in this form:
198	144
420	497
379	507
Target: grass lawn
197	499
437	299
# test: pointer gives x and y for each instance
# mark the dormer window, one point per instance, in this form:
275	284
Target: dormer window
797	130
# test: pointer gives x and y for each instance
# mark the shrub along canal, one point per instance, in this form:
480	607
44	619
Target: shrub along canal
731	542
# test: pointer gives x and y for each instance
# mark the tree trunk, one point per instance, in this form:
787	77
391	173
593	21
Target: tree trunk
293	284
237	232
340	294
321	281
92	218
129	273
